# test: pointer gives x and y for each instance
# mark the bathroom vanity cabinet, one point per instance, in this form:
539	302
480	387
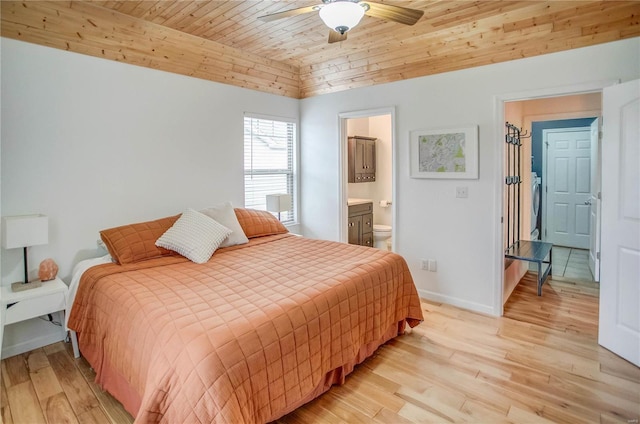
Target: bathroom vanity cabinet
362	159
361	224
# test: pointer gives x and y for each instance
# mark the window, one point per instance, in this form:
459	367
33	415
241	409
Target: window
269	162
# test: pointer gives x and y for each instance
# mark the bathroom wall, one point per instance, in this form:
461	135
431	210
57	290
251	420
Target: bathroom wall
380	128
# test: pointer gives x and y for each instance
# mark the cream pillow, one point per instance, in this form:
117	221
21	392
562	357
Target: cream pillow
225	215
194	236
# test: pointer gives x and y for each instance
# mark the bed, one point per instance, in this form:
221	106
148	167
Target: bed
255	332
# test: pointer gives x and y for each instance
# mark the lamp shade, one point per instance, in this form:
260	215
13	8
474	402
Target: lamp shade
24	231
341	15
278	202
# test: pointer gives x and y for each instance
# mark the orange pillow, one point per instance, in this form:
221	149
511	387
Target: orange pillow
256	223
137	242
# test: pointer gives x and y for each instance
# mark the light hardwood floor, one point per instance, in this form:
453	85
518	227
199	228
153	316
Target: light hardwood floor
539	363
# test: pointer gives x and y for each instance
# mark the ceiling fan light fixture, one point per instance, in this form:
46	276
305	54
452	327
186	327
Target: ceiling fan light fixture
341	15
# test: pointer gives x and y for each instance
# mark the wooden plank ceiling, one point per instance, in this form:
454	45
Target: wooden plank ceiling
224	41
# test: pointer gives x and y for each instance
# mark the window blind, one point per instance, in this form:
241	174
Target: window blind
269	162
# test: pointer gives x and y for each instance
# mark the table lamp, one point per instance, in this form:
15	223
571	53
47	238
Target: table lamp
24	231
279	203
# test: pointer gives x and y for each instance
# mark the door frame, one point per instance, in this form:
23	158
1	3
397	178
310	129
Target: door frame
545	170
596	182
528	121
343	191
499	119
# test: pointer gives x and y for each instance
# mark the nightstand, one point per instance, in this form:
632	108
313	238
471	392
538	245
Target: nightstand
19	306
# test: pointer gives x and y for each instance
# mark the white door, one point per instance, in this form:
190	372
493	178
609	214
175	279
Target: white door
619	329
594	203
567	186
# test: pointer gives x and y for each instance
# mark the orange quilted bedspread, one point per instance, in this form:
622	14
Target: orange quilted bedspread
247	337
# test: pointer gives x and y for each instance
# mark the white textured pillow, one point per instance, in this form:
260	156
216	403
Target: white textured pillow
194	236
225	215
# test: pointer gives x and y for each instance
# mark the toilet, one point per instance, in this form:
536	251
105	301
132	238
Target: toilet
382	236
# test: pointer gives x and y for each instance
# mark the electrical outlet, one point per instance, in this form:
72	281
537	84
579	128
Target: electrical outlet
424	264
433	265
462	192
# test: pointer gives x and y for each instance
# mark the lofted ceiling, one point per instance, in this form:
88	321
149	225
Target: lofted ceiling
224	41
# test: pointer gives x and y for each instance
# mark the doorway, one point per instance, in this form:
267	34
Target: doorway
619	152
523	109
564	189
560	166
565	155
377	127
566	176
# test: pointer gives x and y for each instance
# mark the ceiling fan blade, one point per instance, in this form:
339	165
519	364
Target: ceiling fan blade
403	15
335	36
288	13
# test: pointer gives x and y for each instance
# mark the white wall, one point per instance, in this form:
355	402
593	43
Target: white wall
94	144
431	221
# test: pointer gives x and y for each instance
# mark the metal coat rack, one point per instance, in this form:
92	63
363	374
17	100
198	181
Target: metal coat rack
513	179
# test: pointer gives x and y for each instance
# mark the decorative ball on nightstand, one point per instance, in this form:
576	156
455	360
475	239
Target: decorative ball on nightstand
48	270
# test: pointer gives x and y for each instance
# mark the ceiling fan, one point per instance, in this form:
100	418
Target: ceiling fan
342	15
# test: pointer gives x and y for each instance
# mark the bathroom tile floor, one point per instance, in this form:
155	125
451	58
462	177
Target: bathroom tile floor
571	263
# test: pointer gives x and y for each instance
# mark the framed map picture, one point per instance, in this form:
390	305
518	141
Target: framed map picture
445	153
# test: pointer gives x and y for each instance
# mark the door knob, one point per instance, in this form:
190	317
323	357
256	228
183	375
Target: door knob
587	202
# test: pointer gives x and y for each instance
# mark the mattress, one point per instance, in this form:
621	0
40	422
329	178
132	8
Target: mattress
247	337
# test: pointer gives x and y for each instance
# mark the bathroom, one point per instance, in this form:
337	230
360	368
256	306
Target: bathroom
375	189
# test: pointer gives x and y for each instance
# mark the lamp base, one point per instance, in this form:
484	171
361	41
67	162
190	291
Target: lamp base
18	287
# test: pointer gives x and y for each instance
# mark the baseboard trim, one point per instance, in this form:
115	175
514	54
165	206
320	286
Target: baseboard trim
31	344
456	301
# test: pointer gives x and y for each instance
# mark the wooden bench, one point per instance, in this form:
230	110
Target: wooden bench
533	251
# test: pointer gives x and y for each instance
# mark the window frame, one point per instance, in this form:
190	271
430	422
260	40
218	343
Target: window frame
293	173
